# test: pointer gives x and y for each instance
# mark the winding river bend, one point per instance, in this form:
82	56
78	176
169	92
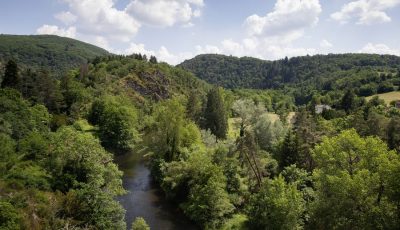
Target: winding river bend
144	198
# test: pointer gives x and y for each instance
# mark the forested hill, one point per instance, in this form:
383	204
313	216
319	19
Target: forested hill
321	72
57	54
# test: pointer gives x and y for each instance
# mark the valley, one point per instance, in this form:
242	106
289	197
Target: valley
107	141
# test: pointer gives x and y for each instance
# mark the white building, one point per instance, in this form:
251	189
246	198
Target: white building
320	108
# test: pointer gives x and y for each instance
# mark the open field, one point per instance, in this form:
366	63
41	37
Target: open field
387	97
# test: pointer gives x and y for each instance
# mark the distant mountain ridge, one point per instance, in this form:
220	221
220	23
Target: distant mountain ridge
319	71
57	54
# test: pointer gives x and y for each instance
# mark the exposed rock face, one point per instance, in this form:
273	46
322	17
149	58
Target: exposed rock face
154	85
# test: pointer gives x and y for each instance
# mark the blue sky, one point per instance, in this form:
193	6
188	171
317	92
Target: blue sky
175	30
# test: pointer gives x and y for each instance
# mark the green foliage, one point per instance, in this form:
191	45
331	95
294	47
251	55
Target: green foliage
237	222
195	107
58	54
215	113
248	113
348	101
91	207
9	217
351	176
77	159
368	90
268	133
11	78
308	132
117	121
385	87
393	133
28	175
200	185
277	205
36	163
21	117
171	132
41	88
300	77
8	156
289	152
33	147
139	223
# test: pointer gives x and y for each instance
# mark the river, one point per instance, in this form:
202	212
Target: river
145	199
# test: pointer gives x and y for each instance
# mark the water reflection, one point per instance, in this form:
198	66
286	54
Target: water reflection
145	200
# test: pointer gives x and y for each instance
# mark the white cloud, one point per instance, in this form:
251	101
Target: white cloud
94	21
207	49
325	44
101	18
379	49
271	36
102	42
162	54
138	48
288	19
231	47
165	13
256	48
66	17
101	23
188	25
365	12
55	30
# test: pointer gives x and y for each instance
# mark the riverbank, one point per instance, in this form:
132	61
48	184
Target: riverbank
145	199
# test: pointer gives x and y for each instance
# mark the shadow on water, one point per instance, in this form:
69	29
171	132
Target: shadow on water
145	199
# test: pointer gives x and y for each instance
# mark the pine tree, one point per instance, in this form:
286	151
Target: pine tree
348	101
289	152
215	115
153	59
194	107
11	78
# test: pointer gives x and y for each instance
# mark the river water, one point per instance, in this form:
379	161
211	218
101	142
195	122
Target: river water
144	199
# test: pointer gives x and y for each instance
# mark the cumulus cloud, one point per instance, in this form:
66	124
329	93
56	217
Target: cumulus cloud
165	12
95	21
379	49
207	49
255	48
288	19
138	48
325	44
66	17
162	54
101	18
100	22
272	36
55	30
365	12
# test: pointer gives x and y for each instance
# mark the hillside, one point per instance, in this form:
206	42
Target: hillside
58	54
140	79
387	97
367	74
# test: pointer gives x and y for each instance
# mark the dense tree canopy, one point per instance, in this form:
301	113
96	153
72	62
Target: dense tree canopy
277	205
11	78
352	180
215	114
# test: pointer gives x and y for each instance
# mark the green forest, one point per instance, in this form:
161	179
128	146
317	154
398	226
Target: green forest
58	54
231	143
